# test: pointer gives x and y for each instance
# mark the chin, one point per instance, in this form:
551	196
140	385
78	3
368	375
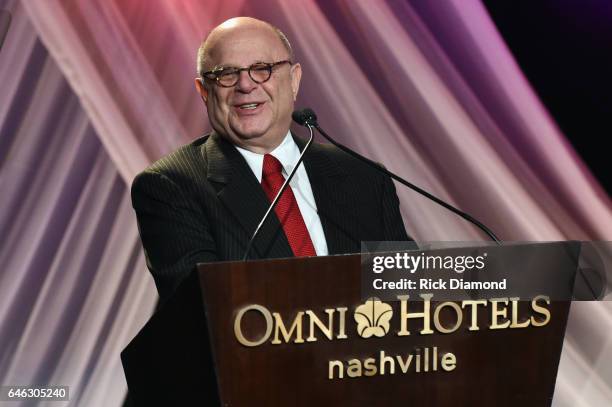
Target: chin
250	132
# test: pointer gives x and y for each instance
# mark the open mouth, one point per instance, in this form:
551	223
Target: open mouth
249	106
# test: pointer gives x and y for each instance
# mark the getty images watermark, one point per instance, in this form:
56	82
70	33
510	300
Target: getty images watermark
455	271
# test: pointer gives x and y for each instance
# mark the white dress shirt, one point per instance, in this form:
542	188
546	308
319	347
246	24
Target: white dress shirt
288	154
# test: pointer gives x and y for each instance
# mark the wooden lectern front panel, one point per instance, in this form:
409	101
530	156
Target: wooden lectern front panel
296	332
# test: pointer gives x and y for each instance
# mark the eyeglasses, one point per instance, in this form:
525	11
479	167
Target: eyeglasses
259	72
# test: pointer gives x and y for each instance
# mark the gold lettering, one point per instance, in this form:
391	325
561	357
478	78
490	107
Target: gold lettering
386	359
437	322
448	362
280	327
495	313
426	315
238	328
404	365
515	314
341	323
339	365
435	358
354	368
540	310
474	314
370	367
328	330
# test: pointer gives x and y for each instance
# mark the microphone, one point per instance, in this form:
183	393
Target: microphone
278	195
5	22
307	117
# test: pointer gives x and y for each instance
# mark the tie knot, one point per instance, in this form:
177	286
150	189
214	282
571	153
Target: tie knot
271	165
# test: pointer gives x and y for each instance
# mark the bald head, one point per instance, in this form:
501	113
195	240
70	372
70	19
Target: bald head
230	27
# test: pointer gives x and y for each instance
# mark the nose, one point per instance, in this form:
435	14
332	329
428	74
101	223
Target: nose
245	84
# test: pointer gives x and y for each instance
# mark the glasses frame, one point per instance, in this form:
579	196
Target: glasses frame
213	77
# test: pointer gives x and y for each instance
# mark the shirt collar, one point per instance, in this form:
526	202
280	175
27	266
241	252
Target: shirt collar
287	153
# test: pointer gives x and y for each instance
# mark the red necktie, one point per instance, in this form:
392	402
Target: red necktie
286	209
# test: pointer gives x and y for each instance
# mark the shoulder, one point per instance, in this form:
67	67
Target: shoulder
186	163
181	159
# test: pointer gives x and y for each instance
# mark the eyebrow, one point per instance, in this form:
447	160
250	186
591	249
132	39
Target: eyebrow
223	66
220	68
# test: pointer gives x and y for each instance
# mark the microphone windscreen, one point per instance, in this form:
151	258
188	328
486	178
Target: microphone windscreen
304	116
299	117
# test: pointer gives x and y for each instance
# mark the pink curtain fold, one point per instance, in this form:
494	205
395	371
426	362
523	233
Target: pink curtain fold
72	282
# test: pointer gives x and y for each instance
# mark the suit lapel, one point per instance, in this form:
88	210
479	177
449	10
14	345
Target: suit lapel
240	192
328	182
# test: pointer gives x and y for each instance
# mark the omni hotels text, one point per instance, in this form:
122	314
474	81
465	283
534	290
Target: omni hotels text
376	319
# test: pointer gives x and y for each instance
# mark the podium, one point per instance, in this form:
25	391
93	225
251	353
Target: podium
296	332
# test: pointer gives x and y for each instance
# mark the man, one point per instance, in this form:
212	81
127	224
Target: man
203	202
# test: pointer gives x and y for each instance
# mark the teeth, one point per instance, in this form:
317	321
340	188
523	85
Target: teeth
249	106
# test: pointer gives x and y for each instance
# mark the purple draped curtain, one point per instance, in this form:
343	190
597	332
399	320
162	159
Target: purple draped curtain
93	91
72	283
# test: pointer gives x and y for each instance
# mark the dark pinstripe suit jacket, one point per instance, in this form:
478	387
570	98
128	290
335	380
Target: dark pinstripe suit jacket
202	202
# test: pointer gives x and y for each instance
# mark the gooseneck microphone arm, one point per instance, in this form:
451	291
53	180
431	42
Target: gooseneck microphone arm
307	117
278	195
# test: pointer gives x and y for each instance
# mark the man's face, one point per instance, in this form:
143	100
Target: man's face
251	115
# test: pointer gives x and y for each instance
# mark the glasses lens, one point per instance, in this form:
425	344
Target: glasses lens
260	72
228	77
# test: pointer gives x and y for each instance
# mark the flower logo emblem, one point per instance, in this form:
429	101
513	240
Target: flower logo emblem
373	318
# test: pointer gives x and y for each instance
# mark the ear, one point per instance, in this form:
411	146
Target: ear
201	88
296	76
